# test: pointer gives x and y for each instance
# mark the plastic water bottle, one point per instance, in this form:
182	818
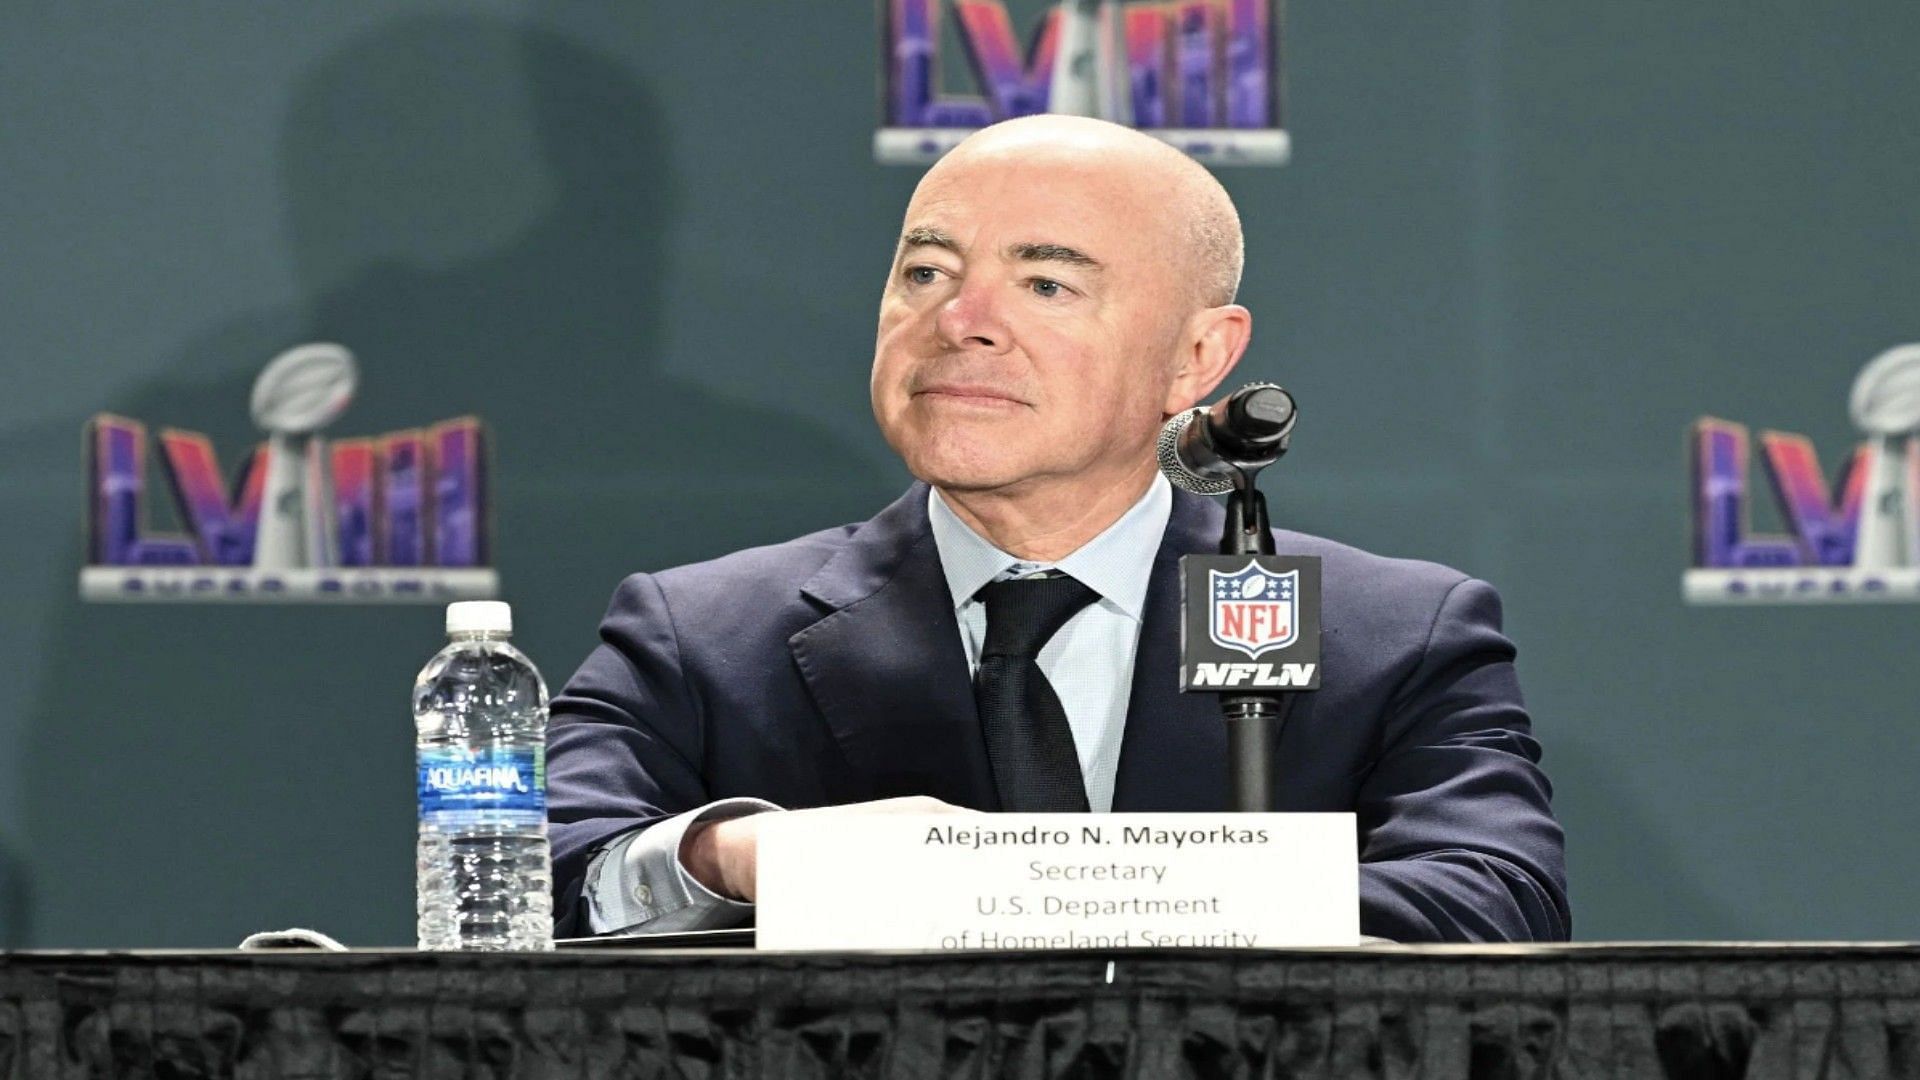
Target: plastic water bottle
480	723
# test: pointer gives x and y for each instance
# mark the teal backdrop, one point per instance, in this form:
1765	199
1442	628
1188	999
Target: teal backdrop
1520	247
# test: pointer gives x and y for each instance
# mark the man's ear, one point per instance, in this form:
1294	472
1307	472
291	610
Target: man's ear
1215	340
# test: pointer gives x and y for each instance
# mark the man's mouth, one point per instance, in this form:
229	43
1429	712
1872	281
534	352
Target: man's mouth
968	393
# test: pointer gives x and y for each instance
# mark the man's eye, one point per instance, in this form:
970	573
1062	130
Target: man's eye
1046	287
922	275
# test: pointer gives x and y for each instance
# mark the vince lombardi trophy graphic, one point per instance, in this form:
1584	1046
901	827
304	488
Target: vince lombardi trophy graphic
302	391
1886	406
1090	68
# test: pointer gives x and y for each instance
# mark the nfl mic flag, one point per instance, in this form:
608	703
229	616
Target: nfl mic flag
1250	623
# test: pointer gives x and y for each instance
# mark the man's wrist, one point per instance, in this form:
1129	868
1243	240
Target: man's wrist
703	852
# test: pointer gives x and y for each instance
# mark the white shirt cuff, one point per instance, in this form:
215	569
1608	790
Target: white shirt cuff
637	883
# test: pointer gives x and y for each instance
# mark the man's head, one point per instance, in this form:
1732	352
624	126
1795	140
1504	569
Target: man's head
1061	286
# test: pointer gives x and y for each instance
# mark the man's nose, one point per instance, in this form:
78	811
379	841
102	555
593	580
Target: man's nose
972	319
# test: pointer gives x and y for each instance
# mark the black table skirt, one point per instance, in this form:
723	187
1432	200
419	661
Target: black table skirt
1680	1011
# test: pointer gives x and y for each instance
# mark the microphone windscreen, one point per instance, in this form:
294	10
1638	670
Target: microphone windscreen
1174	468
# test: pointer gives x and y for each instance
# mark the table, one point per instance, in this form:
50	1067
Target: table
1389	1011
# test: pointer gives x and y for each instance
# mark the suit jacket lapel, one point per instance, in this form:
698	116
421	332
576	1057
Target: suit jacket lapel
886	666
1173	753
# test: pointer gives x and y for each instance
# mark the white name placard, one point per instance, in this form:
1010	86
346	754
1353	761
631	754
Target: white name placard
1057	881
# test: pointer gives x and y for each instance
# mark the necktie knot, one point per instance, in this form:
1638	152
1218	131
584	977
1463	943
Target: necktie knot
1024	613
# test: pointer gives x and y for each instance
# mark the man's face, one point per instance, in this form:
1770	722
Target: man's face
1030	325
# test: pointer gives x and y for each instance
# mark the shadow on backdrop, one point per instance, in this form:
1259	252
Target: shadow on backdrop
481	211
1633	848
15	929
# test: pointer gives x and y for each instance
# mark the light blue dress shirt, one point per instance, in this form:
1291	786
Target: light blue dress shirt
637	883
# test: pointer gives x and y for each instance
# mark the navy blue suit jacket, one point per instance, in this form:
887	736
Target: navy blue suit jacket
830	670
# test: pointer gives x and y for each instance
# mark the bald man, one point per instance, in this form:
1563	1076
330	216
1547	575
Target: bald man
1004	636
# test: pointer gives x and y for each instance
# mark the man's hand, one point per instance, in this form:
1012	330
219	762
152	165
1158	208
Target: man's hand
721	855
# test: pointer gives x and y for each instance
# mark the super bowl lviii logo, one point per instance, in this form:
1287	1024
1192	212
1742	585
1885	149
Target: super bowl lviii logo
395	517
1204	75
1856	540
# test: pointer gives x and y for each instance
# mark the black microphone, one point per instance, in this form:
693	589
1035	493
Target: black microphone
1204	449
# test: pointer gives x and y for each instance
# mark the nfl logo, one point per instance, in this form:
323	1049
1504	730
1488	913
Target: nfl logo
1253	611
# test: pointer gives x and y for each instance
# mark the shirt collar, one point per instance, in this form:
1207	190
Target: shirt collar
1116	564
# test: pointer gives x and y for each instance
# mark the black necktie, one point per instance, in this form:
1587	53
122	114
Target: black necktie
1029	743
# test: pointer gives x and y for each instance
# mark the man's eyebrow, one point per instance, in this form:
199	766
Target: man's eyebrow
923	236
1059	253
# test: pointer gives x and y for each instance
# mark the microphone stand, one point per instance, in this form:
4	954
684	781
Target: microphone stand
1254	720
